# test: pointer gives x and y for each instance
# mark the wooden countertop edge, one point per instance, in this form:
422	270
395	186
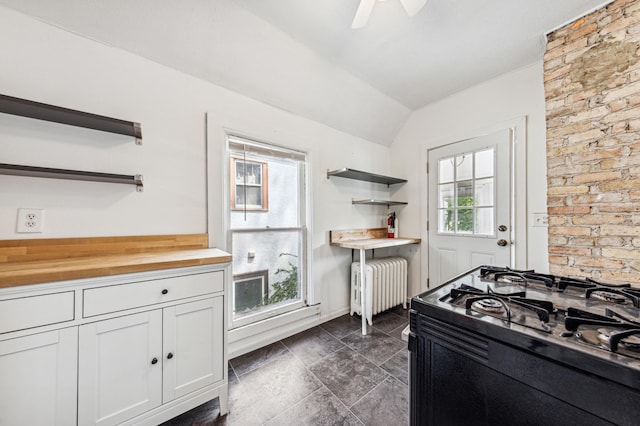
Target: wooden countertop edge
38	272
374	243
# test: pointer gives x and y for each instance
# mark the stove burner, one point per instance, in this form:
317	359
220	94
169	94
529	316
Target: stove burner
608	297
592	337
510	278
616	333
515	276
489	306
614	295
631	343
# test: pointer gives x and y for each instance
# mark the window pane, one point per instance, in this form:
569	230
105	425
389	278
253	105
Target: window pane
446	196
485	221
279	253
465	221
251	195
464	167
446	220
249	294
445	168
484	192
484	163
464	193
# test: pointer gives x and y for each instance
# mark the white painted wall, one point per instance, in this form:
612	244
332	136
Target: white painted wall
46	64
474	112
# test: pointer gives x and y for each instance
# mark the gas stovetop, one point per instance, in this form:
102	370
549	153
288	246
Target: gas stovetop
596	318
499	346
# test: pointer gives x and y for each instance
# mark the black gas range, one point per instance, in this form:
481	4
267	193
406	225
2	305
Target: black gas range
496	346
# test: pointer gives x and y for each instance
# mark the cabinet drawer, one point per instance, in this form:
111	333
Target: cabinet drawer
36	311
103	300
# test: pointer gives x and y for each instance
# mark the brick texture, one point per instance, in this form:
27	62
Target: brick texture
592	94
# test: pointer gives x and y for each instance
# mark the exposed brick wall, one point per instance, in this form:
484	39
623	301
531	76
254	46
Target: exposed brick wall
592	90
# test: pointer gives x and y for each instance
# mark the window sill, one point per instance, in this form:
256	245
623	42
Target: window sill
261	333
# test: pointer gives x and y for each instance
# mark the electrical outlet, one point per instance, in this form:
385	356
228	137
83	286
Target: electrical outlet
30	220
540	219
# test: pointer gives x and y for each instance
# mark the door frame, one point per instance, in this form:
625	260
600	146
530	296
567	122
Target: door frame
518	186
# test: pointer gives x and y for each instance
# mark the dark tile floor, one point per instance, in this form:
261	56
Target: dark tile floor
328	375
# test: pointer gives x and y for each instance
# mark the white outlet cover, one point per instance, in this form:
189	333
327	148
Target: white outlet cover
30	221
540	219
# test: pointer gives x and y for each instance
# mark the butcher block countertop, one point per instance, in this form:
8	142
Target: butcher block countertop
34	261
366	239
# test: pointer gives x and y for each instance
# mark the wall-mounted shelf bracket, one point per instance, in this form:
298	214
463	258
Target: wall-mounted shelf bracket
46	172
56	114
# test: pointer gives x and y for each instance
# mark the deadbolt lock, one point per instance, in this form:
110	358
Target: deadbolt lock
502	228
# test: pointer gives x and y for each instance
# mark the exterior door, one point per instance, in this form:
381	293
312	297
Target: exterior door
470	205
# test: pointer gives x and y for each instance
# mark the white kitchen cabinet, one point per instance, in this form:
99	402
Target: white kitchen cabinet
38	376
192	340
132	364
119	369
131	349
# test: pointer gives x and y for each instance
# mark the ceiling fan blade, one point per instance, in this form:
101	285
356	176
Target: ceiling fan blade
363	13
413	6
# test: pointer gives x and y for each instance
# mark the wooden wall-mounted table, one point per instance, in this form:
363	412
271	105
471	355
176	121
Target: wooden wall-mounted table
362	240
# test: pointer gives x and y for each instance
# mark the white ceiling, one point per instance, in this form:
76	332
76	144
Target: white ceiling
302	55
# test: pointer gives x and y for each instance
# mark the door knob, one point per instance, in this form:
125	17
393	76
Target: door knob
502	242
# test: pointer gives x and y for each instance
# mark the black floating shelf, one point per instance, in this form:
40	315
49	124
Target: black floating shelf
40	111
380	202
364	176
46	172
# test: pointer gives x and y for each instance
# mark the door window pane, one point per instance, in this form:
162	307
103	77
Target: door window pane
464	166
464	193
484	221
484	192
484	163
466	196
445	169
446	196
446	220
465	221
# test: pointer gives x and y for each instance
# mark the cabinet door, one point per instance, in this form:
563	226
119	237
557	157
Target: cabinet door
120	368
193	346
38	379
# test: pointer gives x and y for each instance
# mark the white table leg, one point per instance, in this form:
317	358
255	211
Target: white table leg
363	292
